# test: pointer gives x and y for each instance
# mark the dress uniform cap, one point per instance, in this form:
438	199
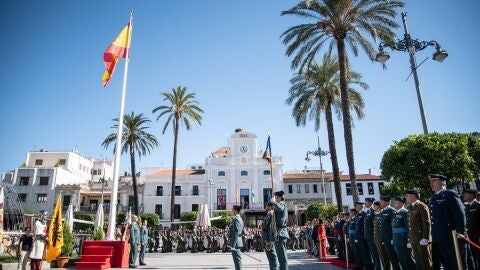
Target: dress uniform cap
370	200
436	176
385	198
377	203
471	191
360	203
237	208
399	199
413	191
279	193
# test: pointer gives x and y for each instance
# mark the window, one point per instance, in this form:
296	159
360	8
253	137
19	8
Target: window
178	190
24	181
195	207
299	188
370	189
360	188
94	172
195	190
79	167
315	188
39	162
43	181
267	195
176	211
159	190
41	197
66	200
22	197
266	172
307	188
131	201
158	210
349	190
221	173
62	161
290	189
380	187
99	171
243	173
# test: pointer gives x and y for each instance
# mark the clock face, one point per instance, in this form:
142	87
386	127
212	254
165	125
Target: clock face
243	149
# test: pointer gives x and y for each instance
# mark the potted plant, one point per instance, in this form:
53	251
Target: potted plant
67	248
98	234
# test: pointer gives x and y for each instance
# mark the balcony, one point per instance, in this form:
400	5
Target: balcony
246	206
92	209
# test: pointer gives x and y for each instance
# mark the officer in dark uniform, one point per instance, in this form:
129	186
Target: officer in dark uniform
387	215
352	235
447	214
360	244
400	234
281	215
472	210
419	228
268	236
372	254
340	236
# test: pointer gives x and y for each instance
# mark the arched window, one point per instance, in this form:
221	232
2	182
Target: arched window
243	173
221	173
266	172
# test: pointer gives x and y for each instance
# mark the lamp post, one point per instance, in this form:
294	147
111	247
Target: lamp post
210	197
411	46
319	153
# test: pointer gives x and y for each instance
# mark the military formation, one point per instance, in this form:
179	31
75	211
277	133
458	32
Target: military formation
386	234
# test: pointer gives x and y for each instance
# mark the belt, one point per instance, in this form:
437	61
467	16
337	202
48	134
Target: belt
399	230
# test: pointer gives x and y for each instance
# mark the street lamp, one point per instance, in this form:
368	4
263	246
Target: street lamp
210	196
411	46
319	153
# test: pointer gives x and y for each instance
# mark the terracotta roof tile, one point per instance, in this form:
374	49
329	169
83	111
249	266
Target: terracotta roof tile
221	150
328	176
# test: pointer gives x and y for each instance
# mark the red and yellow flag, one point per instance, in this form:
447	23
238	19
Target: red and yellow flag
117	49
55	233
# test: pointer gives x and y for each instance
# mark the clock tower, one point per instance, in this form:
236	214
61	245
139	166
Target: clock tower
244	143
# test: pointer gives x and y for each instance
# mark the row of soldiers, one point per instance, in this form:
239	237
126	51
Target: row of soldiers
385	237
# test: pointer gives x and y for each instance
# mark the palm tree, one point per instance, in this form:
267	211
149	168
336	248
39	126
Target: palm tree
316	89
344	23
135	139
181	108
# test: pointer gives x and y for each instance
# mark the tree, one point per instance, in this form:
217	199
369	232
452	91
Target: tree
135	140
345	24
189	216
325	211
408	162
316	89
181	108
224	221
152	219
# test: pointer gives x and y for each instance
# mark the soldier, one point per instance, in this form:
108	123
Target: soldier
387	215
39	241
371	250
235	232
339	236
361	246
281	215
134	241
377	235
447	214
268	236
352	235
346	233
472	210
143	241
419	231
400	234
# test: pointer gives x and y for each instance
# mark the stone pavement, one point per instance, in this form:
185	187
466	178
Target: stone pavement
297	260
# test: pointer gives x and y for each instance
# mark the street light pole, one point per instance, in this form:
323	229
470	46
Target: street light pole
319	153
411	46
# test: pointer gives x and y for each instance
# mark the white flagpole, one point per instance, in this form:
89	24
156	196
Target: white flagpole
112	217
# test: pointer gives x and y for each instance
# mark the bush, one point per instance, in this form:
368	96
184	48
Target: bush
325	211
87	228
189	216
121	218
98	234
224	222
68	245
152	218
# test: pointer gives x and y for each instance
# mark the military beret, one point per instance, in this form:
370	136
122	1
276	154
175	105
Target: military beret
279	193
471	191
385	198
436	176
360	203
377	203
413	191
399	199
237	208
370	200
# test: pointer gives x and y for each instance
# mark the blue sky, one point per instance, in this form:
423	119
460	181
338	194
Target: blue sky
231	55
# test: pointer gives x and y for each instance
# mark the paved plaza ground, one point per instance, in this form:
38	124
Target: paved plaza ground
297	260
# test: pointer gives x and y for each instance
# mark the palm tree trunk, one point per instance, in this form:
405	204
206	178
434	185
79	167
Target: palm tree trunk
347	122
134	179
174	170
333	156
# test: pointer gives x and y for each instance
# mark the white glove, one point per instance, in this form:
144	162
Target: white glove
409	245
272	200
423	242
391	242
356	241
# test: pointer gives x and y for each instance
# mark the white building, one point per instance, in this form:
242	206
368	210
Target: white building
233	174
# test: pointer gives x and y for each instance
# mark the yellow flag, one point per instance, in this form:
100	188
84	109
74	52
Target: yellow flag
55	233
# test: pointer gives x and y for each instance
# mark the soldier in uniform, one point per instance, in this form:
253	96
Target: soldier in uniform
235	232
400	234
447	214
346	232
419	230
352	235
361	246
134	241
143	241
371	251
377	235
268	236
281	215
340	243
472	210
387	215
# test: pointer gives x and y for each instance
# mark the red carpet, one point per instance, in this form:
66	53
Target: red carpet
335	261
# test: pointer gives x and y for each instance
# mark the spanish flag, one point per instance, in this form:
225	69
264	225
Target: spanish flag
55	233
117	49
